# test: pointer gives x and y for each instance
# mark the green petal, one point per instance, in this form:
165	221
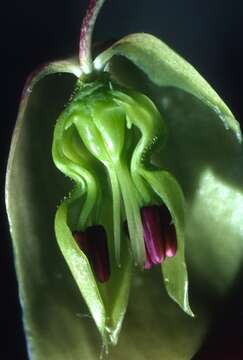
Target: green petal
80	268
107	303
174	269
166	68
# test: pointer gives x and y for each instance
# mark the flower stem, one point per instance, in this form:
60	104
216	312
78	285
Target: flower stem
85	54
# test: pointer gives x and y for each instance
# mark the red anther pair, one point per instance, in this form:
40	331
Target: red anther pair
93	242
159	235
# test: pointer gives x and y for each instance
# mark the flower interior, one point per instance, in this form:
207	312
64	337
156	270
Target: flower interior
104	141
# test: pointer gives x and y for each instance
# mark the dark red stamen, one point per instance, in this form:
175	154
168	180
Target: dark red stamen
82	240
159	235
99	252
93	242
152	234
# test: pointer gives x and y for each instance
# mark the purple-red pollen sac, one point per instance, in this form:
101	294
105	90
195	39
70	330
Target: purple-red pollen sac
82	240
99	252
93	242
159	235
153	236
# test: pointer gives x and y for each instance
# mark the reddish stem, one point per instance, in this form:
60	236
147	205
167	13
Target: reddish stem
85	43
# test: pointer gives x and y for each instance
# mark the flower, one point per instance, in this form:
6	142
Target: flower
159	171
104	140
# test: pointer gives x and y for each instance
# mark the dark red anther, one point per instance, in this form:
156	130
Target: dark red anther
99	252
153	236
82	240
93	242
159	235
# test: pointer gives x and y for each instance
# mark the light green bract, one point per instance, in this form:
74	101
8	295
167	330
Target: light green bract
137	127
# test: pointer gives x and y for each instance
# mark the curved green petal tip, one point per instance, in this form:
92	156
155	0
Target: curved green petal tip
80	268
174	269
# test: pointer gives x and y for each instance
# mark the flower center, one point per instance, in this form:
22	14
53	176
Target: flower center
110	132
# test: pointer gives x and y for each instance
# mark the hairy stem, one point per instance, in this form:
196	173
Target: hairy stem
85	54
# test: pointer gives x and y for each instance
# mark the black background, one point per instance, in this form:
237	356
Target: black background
207	33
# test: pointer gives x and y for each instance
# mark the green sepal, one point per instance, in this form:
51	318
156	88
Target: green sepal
174	269
107	302
80	268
